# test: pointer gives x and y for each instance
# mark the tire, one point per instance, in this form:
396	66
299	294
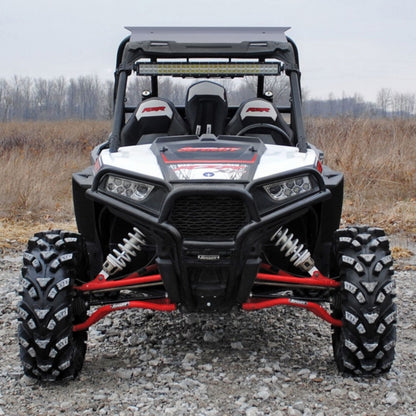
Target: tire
49	349
365	344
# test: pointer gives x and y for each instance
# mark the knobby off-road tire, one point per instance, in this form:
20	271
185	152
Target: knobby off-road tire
365	344
49	349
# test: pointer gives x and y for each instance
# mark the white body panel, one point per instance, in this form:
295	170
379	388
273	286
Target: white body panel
136	159
279	159
276	159
210	171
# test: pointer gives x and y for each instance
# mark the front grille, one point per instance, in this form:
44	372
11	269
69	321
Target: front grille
209	217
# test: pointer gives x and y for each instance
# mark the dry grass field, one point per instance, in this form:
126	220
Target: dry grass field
37	160
378	158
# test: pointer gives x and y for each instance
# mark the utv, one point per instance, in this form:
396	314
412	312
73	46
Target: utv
206	197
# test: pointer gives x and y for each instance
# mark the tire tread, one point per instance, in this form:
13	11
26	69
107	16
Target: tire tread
364	345
49	349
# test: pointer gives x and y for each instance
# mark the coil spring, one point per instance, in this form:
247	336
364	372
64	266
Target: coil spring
290	246
118	260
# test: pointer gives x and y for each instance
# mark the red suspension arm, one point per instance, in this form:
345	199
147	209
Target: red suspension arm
318	279
99	283
318	310
157	305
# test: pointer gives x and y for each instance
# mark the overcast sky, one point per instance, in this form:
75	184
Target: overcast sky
346	47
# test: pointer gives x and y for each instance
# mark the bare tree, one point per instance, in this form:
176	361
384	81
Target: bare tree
403	105
87	97
5	100
384	101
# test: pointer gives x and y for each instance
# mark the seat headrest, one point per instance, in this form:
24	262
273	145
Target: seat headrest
258	109
206	107
206	88
154	107
154	116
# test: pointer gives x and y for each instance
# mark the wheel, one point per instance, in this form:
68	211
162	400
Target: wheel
49	349
267	126
365	344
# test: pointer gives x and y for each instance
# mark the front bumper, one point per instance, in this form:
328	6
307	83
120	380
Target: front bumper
209	253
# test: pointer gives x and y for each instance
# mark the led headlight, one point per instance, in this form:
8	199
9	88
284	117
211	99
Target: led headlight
128	188
288	188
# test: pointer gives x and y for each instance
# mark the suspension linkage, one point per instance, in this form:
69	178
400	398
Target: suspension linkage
259	303
100	283
317	279
164	305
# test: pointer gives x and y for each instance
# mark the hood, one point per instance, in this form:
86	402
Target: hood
224	159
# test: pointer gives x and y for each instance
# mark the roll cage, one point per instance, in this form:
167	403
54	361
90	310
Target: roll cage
254	45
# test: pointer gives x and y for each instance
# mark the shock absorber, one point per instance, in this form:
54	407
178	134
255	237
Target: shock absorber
298	255
118	260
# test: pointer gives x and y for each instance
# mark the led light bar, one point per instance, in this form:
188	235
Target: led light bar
219	69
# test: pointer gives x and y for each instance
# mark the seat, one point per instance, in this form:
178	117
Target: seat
260	112
152	118
206	108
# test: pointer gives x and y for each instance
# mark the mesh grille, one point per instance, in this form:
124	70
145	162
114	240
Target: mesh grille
209	218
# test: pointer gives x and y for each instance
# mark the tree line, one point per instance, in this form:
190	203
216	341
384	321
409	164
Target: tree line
388	104
87	97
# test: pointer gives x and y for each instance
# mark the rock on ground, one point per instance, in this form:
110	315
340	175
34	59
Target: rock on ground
272	362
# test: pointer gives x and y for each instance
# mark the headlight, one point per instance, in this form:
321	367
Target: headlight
288	188
137	191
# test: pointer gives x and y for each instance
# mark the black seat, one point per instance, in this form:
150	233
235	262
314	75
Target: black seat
258	111
152	118
206	108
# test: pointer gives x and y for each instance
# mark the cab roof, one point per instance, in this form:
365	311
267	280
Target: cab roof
208	42
208	34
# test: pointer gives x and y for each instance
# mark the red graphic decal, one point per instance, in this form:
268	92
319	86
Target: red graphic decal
208	149
97	165
153	109
258	110
319	166
247	162
215	167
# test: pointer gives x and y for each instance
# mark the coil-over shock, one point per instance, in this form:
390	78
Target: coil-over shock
298	255
117	261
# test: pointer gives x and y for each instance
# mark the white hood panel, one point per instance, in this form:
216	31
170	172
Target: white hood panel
141	160
279	159
136	159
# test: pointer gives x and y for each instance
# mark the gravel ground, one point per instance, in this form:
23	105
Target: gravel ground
272	362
